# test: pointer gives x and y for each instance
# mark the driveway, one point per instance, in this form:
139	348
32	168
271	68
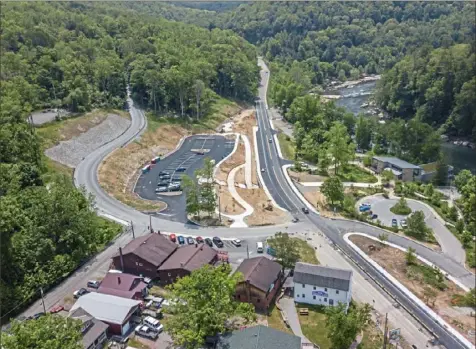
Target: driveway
450	245
289	309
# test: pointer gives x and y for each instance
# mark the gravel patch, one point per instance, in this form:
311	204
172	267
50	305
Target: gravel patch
48	115
71	152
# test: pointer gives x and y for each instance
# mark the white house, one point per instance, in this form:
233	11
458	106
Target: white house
315	284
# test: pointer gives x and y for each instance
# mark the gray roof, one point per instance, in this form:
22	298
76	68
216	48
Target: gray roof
92	332
395	161
311	274
107	308
258	337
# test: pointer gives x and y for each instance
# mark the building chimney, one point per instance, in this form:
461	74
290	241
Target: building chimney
122	259
118	280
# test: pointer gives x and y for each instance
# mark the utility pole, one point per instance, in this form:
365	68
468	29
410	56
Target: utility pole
150	224
219	206
132	228
43	300
247	252
385	332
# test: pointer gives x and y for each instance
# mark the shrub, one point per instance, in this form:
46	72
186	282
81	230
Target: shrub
401	207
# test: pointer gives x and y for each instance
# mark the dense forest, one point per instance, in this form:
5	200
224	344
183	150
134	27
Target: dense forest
80	56
436	86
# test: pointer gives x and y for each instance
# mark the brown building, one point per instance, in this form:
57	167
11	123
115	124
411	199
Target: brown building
262	280
123	285
144	255
185	260
402	170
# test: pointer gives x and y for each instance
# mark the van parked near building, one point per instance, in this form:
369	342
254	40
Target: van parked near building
259	247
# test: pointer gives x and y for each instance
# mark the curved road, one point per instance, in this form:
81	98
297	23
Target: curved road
86	175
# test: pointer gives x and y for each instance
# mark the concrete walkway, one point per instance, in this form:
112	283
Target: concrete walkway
248	162
289	309
238	219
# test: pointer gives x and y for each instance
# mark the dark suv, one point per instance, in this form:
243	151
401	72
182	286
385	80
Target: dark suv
305	210
218	241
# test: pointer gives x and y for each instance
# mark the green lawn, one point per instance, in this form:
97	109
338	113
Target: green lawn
314	325
353	173
287	146
275	321
307	252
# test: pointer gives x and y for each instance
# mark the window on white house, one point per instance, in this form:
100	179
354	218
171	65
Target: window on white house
303	295
325	289
314	288
297	295
325	299
337	291
313	297
303	286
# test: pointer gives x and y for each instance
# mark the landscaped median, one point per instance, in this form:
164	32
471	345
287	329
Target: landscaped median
416	277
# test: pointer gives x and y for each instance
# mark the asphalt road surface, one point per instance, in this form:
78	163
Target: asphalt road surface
214	147
450	245
86	175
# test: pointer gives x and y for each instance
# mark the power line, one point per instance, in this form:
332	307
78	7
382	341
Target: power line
18	305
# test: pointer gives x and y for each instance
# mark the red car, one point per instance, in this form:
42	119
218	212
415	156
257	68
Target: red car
56	309
173	238
199	240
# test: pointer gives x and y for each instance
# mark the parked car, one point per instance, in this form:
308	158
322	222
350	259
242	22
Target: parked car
217	241
394	223
365	204
94	283
153	323
164	176
146	331
180	169
56	309
173	237
364	208
295	220
80	292
374	216
199	240
190	240
161	189
181	240
305	210
209	242
236	242
403	223
174	186
37	316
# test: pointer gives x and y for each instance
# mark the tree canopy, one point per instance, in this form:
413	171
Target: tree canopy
287	250
203	305
48	332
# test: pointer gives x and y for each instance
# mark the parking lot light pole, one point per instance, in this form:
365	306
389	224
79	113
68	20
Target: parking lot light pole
219	206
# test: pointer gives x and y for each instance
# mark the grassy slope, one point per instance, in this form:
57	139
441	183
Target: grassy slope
306	252
287	146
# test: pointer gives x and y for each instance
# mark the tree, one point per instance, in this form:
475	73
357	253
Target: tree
208	198
453	213
410	256
462	178
401	207
192	195
387	176
417	226
203	304
286	249
383	238
199	88
48	332
363	132
343	328
338	146
429	190
333	190
441	175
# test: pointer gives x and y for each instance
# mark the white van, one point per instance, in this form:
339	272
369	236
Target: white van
154	323
259	247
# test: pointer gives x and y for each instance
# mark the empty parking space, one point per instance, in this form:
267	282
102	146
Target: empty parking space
163	180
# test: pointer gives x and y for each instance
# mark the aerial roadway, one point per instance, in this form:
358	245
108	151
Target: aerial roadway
283	194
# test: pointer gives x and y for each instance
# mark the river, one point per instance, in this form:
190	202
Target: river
352	98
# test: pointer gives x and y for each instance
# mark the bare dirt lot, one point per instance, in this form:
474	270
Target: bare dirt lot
238	158
265	212
394	262
228	204
305	177
244	123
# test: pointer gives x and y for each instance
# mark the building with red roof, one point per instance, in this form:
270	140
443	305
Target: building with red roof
123	285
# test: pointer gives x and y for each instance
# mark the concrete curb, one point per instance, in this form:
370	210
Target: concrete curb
248	162
278	146
296	190
237	141
260	177
402	288
238	219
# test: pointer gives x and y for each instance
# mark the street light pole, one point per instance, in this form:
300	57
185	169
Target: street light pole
219	206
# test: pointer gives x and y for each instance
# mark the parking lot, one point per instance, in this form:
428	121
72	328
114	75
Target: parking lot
162	182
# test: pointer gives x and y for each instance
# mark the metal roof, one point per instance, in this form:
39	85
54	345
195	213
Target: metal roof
311	274
121	285
190	257
261	272
92	332
395	162
153	248
258	337
106	308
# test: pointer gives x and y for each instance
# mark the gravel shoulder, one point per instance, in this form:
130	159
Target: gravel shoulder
70	152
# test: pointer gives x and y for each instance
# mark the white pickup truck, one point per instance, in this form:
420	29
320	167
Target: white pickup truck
146	331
